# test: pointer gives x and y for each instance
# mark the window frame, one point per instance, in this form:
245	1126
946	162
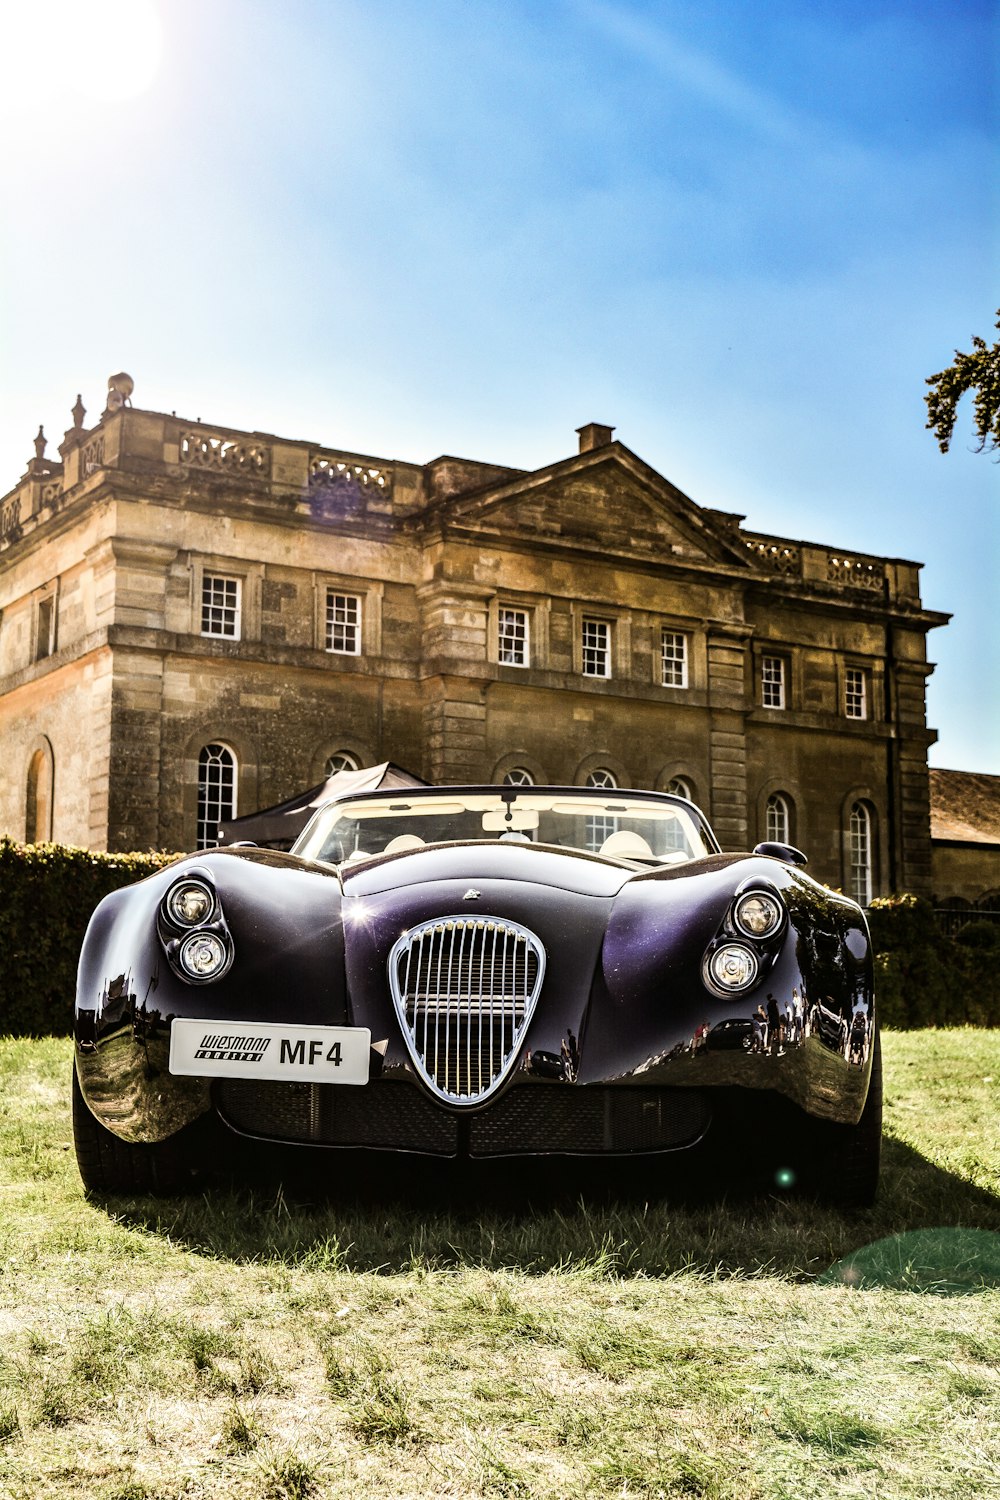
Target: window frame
45	624
332	593
781	682
505	607
600	623
599	826
684	660
774	802
863	677
369	593
347	755
518	776
208	577
861	839
203	788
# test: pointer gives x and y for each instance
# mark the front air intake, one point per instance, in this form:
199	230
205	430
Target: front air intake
465	989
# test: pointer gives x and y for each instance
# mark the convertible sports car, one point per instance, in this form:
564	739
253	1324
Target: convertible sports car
481	972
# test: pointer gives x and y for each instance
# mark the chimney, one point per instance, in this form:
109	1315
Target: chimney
594	435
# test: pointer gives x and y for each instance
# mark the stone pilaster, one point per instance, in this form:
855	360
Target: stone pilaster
454	714
98	733
912	790
454	620
135	765
727	698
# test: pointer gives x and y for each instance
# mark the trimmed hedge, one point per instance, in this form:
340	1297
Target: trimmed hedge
923	977
47	895
48	891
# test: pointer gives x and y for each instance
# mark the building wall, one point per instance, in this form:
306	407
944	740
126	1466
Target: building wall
967	872
141	508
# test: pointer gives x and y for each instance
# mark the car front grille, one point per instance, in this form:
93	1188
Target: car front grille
529	1119
465	989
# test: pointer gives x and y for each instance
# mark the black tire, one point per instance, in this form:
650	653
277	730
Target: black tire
846	1170
110	1165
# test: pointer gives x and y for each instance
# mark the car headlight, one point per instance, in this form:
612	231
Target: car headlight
189	903
732	968
758	914
203	955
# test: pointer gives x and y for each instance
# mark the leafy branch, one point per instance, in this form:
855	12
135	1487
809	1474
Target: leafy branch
979	372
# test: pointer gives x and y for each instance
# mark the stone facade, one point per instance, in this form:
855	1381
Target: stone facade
461	619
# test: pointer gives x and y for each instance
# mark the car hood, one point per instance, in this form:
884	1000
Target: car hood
612	935
539	865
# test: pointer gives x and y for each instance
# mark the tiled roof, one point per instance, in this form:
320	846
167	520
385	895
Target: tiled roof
965	807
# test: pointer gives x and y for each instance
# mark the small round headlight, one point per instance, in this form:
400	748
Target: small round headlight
732	968
189	903
758	914
203	955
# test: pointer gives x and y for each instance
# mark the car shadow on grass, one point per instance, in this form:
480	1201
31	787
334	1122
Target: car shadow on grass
382	1212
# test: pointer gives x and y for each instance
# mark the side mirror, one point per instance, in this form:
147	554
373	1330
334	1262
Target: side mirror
784	852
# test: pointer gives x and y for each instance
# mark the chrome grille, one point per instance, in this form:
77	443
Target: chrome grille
465	989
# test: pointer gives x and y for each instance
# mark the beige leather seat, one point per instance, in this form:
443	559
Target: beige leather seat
626	845
401	842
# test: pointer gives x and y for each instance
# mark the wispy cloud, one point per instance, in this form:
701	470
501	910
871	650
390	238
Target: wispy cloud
695	72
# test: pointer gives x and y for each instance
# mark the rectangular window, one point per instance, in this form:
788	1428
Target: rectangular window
220	606
772	681
596	648
860	831
856	693
45	633
343	623
673	659
512	637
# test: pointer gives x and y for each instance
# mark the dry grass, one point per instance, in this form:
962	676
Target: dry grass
246	1344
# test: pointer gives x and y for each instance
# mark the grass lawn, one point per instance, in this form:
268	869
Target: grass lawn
415	1342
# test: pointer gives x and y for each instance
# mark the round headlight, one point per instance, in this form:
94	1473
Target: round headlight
203	955
758	914
189	903
733	968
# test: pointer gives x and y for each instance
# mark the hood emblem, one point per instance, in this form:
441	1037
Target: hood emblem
471	894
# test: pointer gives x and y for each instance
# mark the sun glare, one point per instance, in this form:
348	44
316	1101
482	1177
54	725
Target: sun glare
107	51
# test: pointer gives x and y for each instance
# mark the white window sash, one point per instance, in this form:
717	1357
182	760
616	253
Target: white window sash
596	639
343	616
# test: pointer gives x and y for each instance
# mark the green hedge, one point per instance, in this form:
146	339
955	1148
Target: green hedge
923	977
48	891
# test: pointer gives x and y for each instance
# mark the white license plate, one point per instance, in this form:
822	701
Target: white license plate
224	1049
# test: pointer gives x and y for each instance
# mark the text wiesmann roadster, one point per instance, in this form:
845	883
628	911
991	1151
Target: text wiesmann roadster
481	972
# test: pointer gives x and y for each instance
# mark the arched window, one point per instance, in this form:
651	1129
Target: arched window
340	760
38	802
860	847
600	828
778	822
216	792
678	787
518	776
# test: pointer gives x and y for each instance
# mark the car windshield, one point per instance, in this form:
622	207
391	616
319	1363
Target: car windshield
660	831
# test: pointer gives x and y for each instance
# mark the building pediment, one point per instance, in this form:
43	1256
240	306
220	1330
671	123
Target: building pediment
607	500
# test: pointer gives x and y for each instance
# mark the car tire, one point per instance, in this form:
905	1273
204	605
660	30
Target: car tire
848	1156
110	1165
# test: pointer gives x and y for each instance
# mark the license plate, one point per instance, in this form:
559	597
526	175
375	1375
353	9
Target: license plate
315	1054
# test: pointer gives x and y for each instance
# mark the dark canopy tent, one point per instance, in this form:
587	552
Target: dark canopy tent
277	827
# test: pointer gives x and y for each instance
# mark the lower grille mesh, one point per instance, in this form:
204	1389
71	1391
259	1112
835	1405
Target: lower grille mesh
530	1119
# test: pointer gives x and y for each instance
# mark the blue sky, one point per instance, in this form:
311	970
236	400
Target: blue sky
743	235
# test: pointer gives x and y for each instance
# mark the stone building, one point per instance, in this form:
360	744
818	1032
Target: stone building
965	839
199	621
